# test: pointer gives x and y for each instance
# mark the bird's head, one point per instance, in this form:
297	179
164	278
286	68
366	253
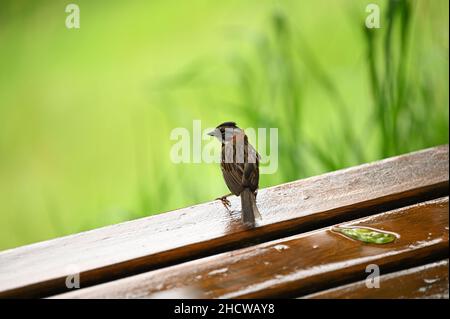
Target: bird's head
226	131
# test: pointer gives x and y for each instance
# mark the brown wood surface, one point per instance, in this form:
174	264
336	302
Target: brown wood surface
427	281
296	265
132	247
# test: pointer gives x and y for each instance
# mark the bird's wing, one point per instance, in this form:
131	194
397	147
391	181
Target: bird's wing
232	173
250	177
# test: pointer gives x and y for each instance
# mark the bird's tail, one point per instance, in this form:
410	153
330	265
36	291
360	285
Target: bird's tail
249	209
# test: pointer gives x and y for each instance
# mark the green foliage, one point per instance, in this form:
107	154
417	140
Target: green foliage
86	114
366	235
403	98
405	111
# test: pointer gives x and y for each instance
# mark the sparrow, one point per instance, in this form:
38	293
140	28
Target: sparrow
240	169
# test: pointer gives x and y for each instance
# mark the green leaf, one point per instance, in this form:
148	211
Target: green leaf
367	235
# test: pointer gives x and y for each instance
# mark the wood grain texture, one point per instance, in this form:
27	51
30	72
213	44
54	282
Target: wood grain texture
296	265
427	281
144	244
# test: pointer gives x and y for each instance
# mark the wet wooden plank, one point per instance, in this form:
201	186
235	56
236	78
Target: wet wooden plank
128	248
296	265
426	281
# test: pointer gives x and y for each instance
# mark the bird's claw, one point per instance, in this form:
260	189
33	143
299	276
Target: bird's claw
225	202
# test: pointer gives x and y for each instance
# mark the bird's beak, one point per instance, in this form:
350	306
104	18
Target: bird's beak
212	133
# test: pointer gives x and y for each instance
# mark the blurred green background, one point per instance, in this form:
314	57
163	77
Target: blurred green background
85	114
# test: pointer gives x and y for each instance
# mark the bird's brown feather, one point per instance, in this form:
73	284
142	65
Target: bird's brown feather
240	170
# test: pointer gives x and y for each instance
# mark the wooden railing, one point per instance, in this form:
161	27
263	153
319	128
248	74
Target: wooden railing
204	251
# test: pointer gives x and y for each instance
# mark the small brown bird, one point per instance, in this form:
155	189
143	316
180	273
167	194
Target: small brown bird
240	169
